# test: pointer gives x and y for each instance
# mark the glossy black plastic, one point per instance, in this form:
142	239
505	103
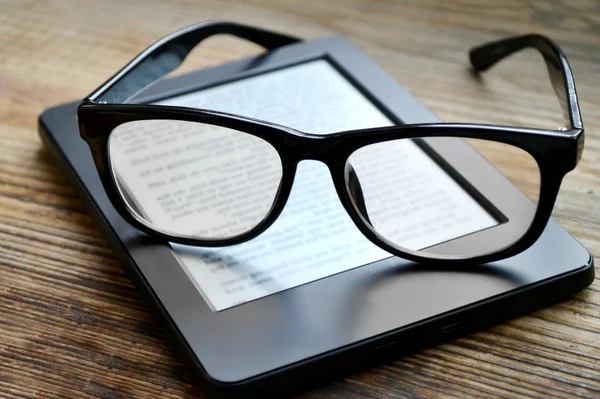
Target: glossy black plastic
342	322
556	152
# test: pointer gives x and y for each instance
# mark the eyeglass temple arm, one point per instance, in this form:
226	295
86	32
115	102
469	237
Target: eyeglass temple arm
168	53
484	56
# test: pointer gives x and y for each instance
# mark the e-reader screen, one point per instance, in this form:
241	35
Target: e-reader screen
314	237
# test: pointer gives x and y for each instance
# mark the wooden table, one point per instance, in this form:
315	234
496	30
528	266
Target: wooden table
71	323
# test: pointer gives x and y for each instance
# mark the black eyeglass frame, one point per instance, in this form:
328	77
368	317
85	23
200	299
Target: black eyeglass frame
556	152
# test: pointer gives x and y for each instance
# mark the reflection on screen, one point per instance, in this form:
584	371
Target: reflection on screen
314	237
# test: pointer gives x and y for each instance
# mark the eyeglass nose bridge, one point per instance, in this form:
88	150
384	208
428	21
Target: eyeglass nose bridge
319	147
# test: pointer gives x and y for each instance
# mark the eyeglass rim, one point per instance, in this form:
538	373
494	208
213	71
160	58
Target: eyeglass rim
292	146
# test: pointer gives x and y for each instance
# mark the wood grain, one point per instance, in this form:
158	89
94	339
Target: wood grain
71	323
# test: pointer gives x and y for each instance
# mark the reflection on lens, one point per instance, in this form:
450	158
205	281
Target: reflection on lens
194	180
416	198
514	163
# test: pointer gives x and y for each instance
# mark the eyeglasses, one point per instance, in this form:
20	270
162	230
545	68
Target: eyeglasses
243	169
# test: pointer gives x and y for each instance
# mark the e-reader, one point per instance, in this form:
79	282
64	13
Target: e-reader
311	296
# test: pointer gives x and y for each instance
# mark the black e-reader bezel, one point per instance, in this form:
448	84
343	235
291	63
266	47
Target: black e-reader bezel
324	328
